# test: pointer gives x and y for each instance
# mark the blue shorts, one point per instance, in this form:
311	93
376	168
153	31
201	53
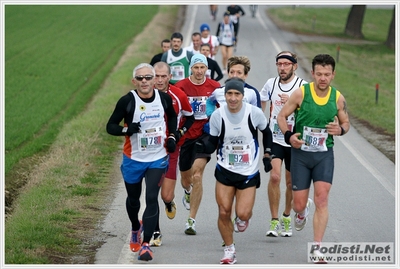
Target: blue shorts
311	166
134	171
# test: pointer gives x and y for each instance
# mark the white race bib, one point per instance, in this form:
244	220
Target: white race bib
150	139
238	156
315	139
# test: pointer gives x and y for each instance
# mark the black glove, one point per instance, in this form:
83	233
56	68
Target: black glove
133	128
171	144
200	146
267	164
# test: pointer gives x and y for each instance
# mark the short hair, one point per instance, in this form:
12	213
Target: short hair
243	60
294	55
161	65
143	65
205	45
177	35
323	59
196	34
165	41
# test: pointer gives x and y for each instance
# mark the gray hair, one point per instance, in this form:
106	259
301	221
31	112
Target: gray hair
143	65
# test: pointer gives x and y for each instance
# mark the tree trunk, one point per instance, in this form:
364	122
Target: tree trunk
390	41
354	21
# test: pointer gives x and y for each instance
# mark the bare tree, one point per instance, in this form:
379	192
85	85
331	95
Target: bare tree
390	41
355	21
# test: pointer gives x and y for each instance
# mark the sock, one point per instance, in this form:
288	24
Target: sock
286	215
231	247
275	219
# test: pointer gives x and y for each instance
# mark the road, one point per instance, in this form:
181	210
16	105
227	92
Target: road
362	199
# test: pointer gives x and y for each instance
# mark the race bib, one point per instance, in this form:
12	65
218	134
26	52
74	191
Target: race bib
178	72
315	139
199	107
150	139
238	156
277	133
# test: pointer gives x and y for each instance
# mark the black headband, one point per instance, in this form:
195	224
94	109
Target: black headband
290	58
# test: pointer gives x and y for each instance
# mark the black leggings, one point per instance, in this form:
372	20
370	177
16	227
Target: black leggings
153	179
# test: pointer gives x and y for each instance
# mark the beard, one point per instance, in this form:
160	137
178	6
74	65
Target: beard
286	76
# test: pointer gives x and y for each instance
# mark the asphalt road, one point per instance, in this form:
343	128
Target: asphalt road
362	199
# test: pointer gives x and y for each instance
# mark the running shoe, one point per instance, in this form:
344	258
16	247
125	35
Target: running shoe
136	239
170	210
274	229
317	257
229	256
286	226
156	240
300	222
145	253
190	227
240	225
186	198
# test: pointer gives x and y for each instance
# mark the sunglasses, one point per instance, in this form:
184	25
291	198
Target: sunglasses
147	77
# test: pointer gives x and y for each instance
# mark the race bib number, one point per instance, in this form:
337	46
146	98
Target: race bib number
315	139
178	72
276	132
199	107
238	156
150	140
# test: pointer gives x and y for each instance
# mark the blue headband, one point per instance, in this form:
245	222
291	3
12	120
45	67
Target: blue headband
290	58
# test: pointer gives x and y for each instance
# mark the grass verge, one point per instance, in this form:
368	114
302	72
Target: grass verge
58	210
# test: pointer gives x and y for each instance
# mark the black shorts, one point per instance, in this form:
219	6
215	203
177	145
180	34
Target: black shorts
283	153
238	181
311	166
188	153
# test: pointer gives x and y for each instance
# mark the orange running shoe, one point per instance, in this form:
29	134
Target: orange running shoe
136	239
145	253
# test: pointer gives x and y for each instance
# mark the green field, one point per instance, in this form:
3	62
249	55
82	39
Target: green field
56	58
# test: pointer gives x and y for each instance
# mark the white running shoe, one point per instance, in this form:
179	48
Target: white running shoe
318	258
240	225
300	222
229	256
190	227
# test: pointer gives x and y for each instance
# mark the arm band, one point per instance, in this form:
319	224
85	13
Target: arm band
343	132
288	134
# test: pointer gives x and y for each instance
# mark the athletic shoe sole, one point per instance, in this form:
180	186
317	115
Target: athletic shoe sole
272	234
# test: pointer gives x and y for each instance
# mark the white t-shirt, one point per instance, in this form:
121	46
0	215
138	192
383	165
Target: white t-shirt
270	92
213	41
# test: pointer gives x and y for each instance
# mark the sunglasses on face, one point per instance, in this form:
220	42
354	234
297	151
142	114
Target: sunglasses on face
147	77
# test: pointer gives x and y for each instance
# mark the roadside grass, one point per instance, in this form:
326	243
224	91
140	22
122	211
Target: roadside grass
56	215
331	21
56	58
359	67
